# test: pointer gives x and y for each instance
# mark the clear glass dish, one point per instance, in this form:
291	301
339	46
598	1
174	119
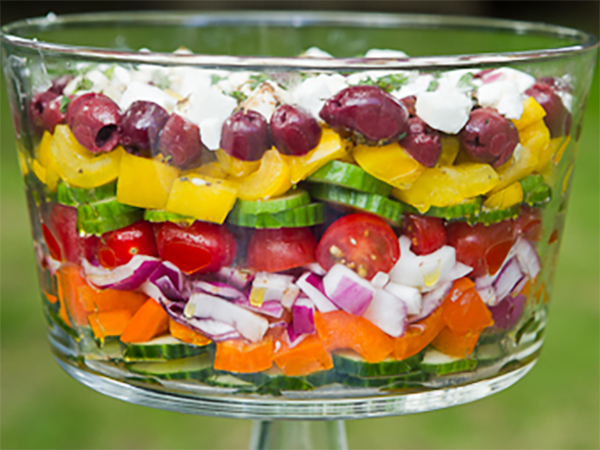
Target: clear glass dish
354	326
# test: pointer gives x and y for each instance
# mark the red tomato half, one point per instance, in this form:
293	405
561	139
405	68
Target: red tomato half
481	247
117	247
61	226
529	224
427	234
200	248
362	242
274	250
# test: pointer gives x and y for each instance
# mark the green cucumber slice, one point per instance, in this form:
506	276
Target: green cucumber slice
107	215
437	363
410	379
159	216
192	368
293	199
161	349
371	203
324	377
230	381
464	210
302	216
350	363
535	190
490	216
273	381
489	353
350	176
74	196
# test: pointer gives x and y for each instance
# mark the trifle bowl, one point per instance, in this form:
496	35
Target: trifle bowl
296	216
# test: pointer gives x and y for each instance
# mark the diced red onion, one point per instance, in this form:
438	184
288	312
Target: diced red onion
289	296
127	277
218	288
204	306
411	296
507	313
315	268
488	295
293	337
431	301
215	330
519	287
509	277
528	258
170	280
303	320
271	308
380	280
347	290
488	280
459	270
312	286
387	312
53	264
238	278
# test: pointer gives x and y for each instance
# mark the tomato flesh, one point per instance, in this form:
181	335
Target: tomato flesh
201	248
529	224
362	242
427	234
51	243
117	247
274	250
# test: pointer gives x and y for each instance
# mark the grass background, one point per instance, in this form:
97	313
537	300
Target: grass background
555	406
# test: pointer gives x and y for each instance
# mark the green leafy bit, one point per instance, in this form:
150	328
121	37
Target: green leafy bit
85	84
433	85
109	72
257	80
214	78
238	95
64	104
387	83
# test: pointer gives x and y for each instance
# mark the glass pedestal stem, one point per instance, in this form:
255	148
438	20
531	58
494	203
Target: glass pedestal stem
298	434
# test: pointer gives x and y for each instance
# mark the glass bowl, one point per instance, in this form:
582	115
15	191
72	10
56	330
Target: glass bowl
268	215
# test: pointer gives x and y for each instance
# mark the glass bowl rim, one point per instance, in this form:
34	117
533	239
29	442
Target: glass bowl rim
583	41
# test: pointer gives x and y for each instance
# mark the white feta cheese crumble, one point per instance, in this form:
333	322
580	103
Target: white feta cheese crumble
187	80
523	80
315	52
119	81
235	81
461	80
416	84
265	99
99	80
502	95
141	91
312	93
567	100
444	110
385	53
209	108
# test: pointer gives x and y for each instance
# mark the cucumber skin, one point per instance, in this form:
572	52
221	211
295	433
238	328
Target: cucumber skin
74	196
462	211
489	217
411	379
198	374
159	216
364	369
350	176
535	190
384	207
101	217
150	353
294	199
302	216
462	365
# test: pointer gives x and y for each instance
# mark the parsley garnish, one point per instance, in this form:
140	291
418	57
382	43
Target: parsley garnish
433	86
85	84
466	81
238	95
214	78
387	83
257	80
64	104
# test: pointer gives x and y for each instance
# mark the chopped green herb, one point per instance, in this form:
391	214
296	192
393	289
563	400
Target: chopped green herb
64	104
214	78
257	80
387	83
109	72
433	86
85	84
466	81
238	95
160	80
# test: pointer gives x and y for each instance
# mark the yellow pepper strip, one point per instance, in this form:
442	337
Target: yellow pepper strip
45	160
39	170
522	163
270	180
507	197
536	138
144	182
389	163
236	167
446	186
532	112
330	147
450	148
559	151
205	198
567	179
77	165
23	162
212	169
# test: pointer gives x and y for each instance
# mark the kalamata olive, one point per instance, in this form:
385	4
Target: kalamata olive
94	119
422	142
294	131
180	142
38	105
59	84
367	111
488	137
140	125
557	119
409	103
245	135
53	114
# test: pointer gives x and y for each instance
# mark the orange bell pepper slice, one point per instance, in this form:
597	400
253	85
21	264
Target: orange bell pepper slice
149	321
186	334
241	356
306	357
463	309
418	335
455	344
109	323
69	280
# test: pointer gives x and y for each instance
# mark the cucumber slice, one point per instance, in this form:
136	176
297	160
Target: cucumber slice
273	381
74	196
293	199
302	216
107	215
192	368
161	349
410	379
371	203
437	363
350	363
325	377
350	176
535	190
464	210
490	216
159	216
490	353
226	380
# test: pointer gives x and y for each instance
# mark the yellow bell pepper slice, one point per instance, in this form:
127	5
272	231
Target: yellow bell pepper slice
144	182
507	197
450	148
77	165
236	167
559	145
536	137
212	169
532	112
389	163
330	147
45	160
270	180
523	162
203	197
444	186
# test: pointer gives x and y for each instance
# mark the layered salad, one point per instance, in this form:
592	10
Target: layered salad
283	232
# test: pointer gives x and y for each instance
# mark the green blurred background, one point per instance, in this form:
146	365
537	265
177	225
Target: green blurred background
555	406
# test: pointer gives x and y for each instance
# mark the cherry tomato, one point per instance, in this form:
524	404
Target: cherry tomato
61	226
427	234
201	248
117	247
274	250
362	242
51	243
529	224
484	248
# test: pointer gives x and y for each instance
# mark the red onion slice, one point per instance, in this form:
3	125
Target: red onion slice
431	301
411	296
312	286
217	288
387	312
203	306
289	296
238	278
127	277
271	308
347	290
507	313
509	277
315	268
528	258
303	321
